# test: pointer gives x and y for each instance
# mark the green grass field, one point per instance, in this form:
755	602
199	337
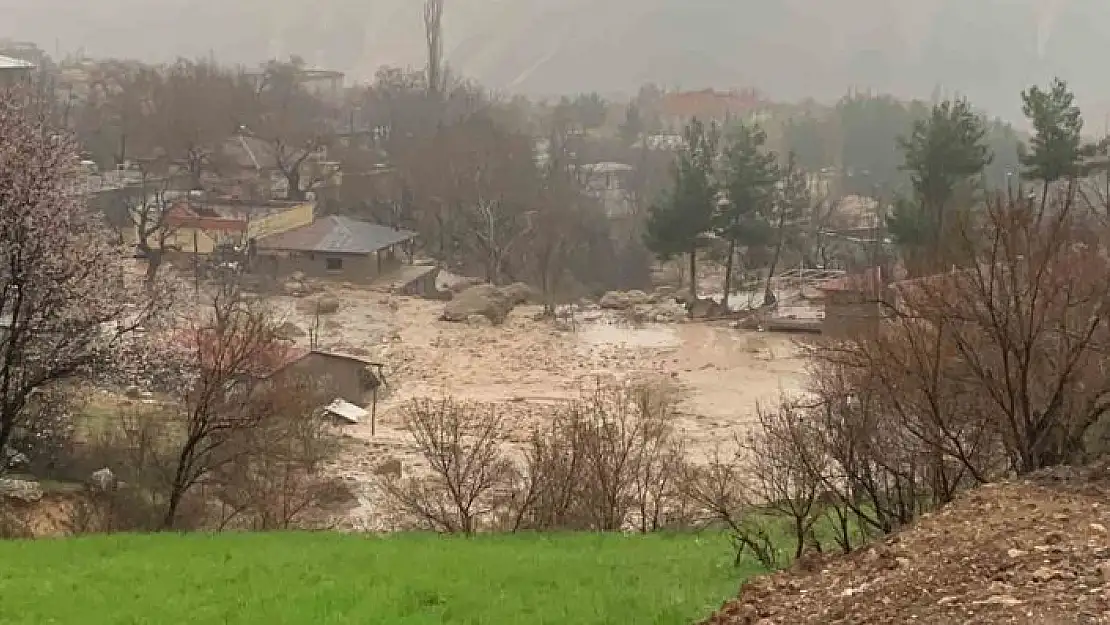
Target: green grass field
325	578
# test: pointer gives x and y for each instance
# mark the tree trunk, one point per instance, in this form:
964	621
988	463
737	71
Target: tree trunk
693	273
548	296
295	192
728	273
170	519
153	263
196	174
122	149
769	293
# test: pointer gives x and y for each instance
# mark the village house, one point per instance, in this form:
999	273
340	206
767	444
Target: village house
14	71
343	384
337	376
199	225
334	247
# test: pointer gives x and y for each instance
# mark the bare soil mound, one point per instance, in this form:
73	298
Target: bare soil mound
1035	551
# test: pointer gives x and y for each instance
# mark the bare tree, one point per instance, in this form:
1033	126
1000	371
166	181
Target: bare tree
778	479
66	299
276	479
194	109
609	461
990	369
790	203
1026	324
292	123
459	440
150	215
114	120
433	35
496	228
717	491
820	218
227	353
474	186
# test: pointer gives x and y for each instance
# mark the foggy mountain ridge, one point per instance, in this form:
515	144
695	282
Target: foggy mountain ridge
986	49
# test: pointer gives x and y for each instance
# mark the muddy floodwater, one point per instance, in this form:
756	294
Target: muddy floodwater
618	335
528	367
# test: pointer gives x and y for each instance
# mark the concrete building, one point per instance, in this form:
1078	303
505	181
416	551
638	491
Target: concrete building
281	364
15	71
609	183
334	247
200	225
336	376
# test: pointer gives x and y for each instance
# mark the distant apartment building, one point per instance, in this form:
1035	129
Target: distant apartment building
15	71
708	105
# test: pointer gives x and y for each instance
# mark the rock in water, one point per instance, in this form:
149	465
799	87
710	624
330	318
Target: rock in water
103	480
20	490
485	300
327	305
518	293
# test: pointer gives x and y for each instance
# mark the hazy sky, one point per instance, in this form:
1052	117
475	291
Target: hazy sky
987	49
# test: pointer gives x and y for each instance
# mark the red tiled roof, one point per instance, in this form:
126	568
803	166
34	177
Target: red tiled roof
710	104
182	216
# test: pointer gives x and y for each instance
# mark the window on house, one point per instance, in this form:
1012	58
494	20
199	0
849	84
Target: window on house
334	264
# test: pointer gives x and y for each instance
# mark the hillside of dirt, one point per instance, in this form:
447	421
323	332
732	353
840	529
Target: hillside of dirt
1033	552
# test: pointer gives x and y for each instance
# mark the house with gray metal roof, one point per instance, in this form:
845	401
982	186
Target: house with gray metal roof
337	247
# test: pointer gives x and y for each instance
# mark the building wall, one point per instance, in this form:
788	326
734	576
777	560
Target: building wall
195	240
336	376
204	240
284	221
13	77
356	268
849	314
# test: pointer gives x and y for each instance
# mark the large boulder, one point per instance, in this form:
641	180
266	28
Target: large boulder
290	331
20	490
103	480
623	300
518	293
294	289
458	284
327	305
390	468
706	309
485	299
478	321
